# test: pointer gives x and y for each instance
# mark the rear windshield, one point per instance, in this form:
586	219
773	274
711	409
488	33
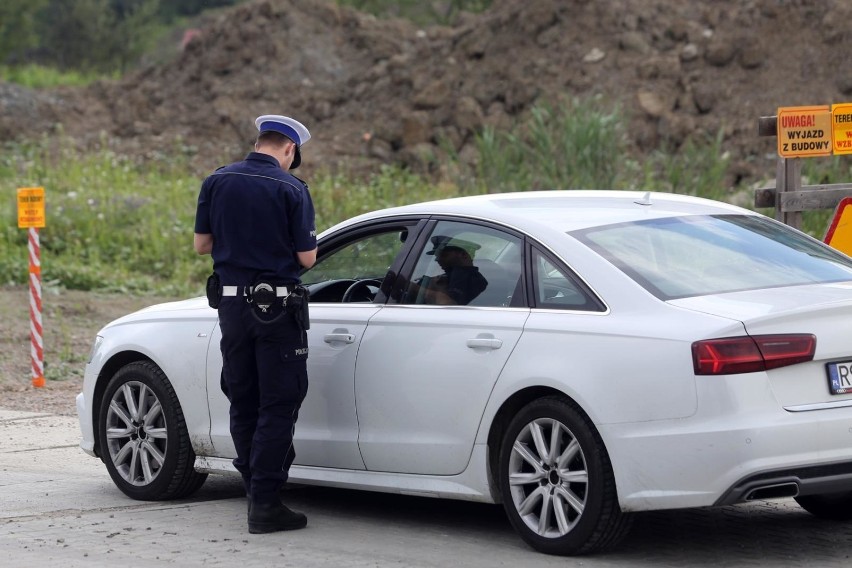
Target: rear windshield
679	257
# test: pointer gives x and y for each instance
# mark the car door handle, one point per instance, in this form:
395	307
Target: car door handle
485	343
339	338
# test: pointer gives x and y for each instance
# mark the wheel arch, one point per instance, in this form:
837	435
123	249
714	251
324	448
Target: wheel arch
110	368
605	524
510	407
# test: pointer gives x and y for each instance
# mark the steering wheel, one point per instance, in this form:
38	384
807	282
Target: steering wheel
360	291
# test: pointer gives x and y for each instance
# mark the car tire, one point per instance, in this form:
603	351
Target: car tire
556	480
143	438
831	506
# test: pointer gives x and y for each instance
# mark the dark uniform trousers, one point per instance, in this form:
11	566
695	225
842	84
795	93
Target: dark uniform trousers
264	376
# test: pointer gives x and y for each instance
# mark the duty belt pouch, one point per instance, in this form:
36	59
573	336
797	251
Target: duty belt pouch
262	296
297	306
214	291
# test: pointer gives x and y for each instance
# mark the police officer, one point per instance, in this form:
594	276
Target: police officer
257	221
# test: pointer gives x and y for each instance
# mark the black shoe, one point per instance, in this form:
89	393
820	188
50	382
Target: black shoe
273	517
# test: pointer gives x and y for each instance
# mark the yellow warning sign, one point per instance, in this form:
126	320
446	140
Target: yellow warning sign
804	131
839	233
30	207
841	128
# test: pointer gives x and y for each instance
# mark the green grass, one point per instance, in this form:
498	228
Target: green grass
114	225
418	11
110	223
44	77
117	226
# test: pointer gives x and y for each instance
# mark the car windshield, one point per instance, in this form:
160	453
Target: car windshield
687	256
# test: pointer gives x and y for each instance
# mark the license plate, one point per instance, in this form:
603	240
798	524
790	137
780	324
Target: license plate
840	377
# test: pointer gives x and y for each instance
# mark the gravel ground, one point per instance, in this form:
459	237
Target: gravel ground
70	320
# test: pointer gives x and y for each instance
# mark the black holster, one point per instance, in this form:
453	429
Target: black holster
296	304
214	291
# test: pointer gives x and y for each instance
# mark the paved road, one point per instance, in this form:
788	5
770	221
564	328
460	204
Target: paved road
58	507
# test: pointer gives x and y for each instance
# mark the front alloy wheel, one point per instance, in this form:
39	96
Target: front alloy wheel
136	433
143	438
556	480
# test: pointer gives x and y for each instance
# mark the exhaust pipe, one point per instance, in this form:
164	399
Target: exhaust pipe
776	491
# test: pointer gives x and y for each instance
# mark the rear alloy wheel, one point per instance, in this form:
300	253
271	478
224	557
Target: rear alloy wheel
831	506
556	480
143	438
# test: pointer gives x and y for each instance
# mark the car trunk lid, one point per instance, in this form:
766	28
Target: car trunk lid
824	310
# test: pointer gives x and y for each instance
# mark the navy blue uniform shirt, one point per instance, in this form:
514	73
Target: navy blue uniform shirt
260	216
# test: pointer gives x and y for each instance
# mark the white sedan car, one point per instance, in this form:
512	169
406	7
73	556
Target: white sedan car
628	352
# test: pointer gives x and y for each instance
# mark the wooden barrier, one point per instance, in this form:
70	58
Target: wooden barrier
789	197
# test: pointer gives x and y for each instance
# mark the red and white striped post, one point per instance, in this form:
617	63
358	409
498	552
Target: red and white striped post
36	339
31	216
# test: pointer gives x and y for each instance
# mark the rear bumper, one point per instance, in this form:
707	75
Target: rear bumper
793	482
740	445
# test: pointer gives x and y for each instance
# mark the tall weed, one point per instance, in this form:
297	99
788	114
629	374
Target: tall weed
698	168
580	144
573	145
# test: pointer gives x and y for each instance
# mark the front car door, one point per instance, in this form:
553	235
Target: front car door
345	292
427	364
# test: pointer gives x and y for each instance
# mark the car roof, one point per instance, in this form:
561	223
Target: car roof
562	210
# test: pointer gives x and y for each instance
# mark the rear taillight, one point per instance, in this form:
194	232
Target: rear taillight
733	355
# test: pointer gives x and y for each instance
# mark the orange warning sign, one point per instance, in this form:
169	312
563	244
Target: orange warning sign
841	128
30	207
804	131
839	235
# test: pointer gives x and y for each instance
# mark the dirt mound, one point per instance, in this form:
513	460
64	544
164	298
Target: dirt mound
374	91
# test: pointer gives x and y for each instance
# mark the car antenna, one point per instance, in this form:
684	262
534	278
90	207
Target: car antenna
646	199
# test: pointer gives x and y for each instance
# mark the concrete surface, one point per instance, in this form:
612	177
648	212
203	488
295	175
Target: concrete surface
58	507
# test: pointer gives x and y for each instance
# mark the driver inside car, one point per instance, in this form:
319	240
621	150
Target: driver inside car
460	282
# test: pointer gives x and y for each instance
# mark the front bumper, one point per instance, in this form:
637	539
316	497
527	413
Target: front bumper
84	415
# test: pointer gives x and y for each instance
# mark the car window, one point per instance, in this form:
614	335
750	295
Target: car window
556	288
697	255
366	260
466	264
